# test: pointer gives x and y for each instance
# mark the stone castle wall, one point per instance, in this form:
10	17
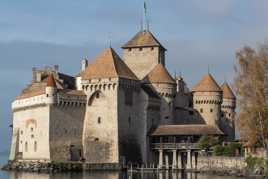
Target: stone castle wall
33	140
100	132
220	163
208	104
141	60
66	126
227	122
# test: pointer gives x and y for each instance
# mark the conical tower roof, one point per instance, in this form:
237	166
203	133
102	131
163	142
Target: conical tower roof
159	74
143	39
108	65
51	81
207	84
227	91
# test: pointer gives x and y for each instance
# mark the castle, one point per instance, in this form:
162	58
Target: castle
119	110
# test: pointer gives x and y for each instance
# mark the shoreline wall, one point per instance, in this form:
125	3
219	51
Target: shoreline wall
221	163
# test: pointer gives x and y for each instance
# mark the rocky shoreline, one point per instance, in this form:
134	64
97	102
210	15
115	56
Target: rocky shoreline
57	167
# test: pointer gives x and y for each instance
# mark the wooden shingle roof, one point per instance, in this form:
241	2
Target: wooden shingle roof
143	39
108	65
207	84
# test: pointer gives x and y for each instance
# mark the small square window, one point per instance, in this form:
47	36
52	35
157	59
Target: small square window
31	129
211	110
129	49
96	139
140	49
152	48
201	110
99	120
32	136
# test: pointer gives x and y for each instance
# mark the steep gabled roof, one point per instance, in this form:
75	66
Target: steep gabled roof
159	74
207	84
143	39
108	65
51	81
227	91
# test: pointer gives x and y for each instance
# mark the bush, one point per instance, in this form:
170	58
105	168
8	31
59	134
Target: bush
205	142
219	150
229	150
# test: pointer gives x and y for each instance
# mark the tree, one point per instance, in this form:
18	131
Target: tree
251	83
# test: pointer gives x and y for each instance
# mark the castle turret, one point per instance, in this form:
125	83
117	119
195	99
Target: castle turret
78	78
165	85
142	53
228	111
51	88
207	99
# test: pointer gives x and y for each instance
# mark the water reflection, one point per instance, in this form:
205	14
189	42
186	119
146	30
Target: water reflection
114	175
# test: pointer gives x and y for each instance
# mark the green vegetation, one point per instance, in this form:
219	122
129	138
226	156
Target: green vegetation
209	142
229	150
257	164
206	142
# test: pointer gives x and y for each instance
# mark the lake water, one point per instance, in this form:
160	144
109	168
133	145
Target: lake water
103	175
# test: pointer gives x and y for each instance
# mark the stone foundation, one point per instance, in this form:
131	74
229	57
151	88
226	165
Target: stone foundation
56	167
222	165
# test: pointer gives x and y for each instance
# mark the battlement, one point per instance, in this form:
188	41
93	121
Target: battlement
59	99
109	84
29	102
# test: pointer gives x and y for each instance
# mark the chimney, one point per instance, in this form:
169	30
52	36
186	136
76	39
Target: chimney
34	74
38	76
84	64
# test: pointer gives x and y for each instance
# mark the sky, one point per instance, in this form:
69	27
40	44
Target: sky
198	34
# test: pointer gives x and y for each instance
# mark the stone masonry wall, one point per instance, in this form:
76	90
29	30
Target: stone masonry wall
141	61
33	133
220	163
100	131
66	127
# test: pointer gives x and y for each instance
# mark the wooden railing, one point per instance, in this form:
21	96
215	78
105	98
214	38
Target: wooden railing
175	146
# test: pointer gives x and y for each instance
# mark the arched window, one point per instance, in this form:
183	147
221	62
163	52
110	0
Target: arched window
35	146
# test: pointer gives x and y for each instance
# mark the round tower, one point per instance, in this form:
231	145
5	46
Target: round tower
228	111
165	85
229	101
51	89
207	99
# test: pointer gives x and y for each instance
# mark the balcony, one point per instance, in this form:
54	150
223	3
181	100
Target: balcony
173	146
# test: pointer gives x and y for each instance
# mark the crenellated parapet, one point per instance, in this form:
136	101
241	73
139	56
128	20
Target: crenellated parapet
71	100
105	84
